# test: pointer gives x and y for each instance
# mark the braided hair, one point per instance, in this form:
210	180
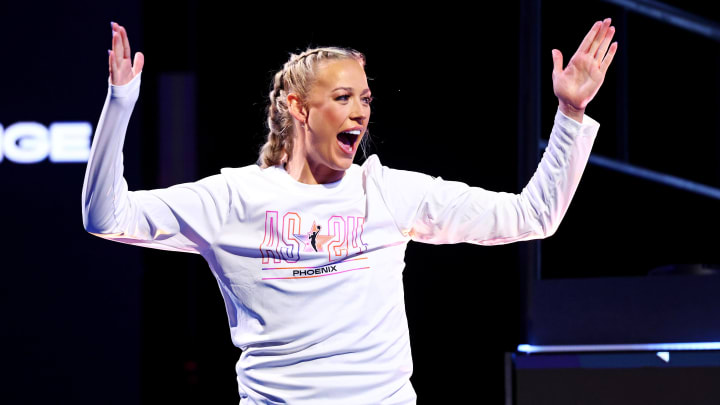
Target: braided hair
297	76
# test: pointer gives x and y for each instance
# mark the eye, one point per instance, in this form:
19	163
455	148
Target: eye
367	100
344	97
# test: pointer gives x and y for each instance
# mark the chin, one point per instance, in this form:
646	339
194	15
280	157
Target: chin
344	163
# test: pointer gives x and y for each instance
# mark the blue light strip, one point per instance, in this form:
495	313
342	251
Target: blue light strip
654	347
671	15
662	178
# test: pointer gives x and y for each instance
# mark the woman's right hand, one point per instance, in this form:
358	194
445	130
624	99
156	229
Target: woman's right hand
122	71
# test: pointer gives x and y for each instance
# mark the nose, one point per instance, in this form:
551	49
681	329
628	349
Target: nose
359	112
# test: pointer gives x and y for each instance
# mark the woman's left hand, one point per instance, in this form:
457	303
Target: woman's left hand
578	83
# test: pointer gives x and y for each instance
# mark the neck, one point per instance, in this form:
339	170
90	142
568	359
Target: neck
305	169
300	169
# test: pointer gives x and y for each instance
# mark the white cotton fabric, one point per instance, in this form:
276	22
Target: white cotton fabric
337	333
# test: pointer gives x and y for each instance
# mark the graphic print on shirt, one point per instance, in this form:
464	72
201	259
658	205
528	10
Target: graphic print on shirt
286	242
311	240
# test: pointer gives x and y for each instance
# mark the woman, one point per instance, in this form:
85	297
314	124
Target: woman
307	247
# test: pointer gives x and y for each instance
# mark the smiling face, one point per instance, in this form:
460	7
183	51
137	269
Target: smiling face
336	113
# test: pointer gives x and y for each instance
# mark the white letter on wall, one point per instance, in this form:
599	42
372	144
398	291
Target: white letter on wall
70	141
26	142
1	144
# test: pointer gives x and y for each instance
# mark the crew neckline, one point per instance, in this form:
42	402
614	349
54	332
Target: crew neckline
285	176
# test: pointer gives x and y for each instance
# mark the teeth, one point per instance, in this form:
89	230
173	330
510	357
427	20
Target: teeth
353	132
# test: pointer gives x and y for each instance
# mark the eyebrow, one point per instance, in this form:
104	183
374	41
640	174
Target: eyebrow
350	89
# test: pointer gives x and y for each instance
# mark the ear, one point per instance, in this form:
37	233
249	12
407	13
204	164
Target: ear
296	107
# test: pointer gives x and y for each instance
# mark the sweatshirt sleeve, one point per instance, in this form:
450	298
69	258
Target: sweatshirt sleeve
184	217
437	211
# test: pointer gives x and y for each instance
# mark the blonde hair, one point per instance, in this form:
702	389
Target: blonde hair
297	76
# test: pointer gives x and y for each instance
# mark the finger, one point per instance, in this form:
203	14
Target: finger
117	50
609	57
138	63
557	61
599	37
126	43
113	68
110	62
602	50
587	41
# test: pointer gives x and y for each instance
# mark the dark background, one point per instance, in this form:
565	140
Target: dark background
89	321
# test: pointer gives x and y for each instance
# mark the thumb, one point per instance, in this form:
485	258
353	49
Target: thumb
138	63
557	61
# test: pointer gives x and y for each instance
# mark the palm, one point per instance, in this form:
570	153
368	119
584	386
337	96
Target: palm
577	84
122	70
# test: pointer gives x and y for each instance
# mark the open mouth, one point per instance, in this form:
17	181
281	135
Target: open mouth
347	140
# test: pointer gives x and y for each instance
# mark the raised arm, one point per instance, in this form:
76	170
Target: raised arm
183	217
438	211
104	182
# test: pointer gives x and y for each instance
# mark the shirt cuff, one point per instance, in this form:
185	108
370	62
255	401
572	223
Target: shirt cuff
126	90
588	127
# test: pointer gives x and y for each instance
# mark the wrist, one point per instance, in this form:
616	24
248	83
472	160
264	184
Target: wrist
127	90
572	112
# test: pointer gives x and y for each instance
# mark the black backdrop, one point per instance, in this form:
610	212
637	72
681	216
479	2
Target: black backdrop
70	302
87	321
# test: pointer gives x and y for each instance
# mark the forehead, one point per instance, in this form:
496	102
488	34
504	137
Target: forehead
341	73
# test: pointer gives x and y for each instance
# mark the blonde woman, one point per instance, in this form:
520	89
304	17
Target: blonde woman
306	246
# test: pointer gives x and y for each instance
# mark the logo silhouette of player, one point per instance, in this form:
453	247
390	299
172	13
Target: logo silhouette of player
313	237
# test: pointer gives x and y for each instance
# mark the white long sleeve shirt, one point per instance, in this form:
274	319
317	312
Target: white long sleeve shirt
311	275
